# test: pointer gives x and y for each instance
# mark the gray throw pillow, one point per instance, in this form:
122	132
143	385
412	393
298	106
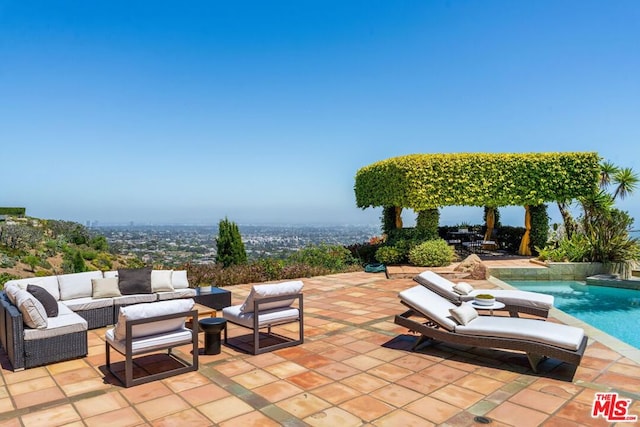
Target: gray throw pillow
134	281
46	299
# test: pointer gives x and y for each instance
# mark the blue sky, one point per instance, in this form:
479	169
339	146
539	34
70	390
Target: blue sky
263	111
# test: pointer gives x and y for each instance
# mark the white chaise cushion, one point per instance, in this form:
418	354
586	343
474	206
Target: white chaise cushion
430	304
179	279
516	297
110	274
438	284
33	312
49	283
144	311
272	290
273	316
564	336
77	285
161	280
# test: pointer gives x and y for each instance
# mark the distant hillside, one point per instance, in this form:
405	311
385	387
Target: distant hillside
41	247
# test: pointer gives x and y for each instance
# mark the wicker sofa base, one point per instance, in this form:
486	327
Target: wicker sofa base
30	353
97	317
55	349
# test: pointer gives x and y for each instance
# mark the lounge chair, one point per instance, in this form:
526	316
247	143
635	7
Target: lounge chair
267	306
449	323
515	301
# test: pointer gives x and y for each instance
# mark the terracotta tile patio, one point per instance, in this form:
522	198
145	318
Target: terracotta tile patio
355	368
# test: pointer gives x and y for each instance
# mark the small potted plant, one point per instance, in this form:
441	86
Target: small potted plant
484	299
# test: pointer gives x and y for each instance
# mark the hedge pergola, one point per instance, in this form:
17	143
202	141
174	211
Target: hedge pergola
429	181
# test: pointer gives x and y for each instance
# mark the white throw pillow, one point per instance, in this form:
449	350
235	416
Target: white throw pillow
11	289
33	312
464	314
179	279
110	274
152	309
463	288
161	281
272	290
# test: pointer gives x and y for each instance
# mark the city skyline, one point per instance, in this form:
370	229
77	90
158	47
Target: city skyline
263	112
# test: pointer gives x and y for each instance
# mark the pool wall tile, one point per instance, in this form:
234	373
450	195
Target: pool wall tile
553	271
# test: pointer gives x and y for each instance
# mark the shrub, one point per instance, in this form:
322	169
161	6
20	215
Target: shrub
5	277
432	253
103	261
99	243
333	258
7	261
364	252
230	249
271	268
89	254
575	249
389	255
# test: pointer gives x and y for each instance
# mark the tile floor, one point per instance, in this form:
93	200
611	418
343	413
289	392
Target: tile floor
355	368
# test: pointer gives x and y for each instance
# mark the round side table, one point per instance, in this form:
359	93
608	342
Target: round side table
212	326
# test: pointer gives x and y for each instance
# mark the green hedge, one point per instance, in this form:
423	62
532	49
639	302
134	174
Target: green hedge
429	181
13	211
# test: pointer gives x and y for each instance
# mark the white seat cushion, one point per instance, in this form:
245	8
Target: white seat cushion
88	303
564	336
66	322
151	342
134	299
178	293
267	317
431	304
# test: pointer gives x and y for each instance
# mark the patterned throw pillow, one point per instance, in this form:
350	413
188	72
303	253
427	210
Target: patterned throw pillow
33	313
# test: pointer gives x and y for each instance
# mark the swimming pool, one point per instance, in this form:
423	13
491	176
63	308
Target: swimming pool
612	310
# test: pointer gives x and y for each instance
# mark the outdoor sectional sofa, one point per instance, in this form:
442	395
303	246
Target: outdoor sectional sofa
32	335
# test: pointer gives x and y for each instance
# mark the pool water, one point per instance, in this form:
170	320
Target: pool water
612	310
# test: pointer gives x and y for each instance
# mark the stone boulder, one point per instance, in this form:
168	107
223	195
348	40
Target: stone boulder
474	267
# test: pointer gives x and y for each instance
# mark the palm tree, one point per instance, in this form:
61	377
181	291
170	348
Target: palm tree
626	181
607	171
